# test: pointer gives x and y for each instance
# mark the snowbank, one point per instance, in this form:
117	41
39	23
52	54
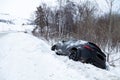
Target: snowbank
9	27
24	57
17	24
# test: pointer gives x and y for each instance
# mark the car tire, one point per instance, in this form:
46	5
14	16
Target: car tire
73	54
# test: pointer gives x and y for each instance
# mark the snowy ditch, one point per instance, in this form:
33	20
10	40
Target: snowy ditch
25	57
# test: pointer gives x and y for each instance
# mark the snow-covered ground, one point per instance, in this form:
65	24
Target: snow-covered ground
25	57
19	24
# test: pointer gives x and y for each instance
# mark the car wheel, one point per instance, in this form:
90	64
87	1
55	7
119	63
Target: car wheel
73	54
53	47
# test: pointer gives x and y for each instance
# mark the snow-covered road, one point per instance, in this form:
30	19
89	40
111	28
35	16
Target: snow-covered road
25	57
3	34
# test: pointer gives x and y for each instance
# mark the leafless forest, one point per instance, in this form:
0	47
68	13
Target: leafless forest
79	21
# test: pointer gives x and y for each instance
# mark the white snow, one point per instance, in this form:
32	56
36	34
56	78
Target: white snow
9	27
17	26
25	57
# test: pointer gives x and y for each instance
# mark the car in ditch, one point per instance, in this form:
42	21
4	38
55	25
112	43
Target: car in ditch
83	51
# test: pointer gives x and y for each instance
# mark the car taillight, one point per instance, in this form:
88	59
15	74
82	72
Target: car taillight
88	47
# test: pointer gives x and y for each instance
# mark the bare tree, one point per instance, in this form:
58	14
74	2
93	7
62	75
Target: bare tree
86	21
69	18
40	19
110	6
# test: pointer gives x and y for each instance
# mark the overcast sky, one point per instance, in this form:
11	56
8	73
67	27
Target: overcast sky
21	8
25	8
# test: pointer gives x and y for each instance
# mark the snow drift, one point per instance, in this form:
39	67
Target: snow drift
11	23
25	57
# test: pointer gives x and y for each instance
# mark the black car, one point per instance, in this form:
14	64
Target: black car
79	50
